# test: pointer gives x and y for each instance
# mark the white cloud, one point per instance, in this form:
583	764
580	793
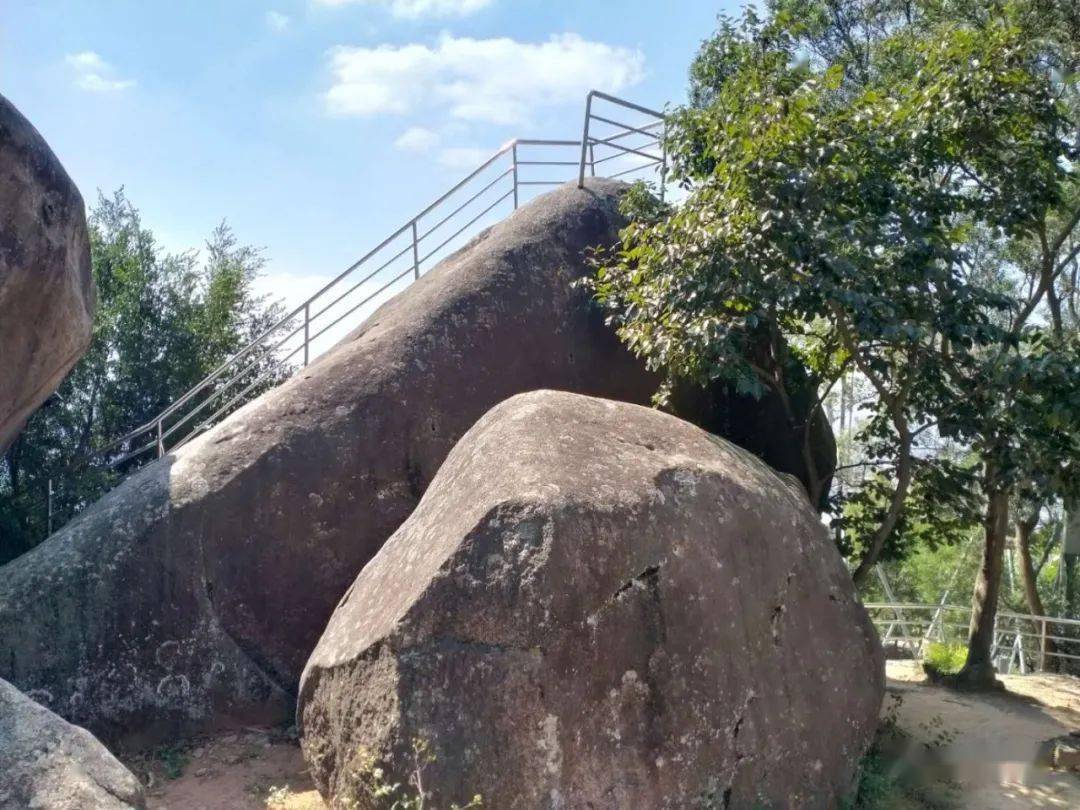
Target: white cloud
464	157
493	80
417	139
276	21
415	9
94	74
87	61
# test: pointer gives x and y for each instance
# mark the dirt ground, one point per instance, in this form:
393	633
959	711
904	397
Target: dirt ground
968	751
986	748
253	769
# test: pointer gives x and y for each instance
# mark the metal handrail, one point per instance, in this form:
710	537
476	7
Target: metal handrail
927	625
273	346
589	142
967	609
256	345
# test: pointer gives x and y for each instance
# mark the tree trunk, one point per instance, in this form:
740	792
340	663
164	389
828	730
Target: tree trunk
1055	541
1024	529
843	401
978	671
895	510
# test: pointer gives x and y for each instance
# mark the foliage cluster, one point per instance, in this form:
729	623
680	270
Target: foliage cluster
163	322
946	659
883	194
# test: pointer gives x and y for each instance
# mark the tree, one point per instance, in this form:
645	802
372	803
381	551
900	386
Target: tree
884	189
816	226
163	322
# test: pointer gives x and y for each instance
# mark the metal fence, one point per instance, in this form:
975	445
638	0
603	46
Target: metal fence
607	143
1022	643
630	145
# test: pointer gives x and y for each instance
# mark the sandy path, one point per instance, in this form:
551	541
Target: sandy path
983	746
251	770
989	744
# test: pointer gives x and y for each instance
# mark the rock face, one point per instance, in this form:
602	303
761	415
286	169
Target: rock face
598	605
199	587
50	764
46	290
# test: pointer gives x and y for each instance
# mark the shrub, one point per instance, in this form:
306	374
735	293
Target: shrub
945	659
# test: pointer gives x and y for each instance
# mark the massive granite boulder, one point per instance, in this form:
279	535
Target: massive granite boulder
46	290
198	588
47	763
598	605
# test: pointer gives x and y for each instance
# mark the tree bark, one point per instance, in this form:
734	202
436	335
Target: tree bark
978	671
1028	575
1055	541
895	509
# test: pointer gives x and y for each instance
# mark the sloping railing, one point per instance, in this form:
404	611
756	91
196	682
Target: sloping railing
611	146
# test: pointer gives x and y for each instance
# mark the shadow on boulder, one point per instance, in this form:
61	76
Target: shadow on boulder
193	593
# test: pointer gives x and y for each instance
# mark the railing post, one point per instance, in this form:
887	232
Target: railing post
514	152
415	252
160	439
307	332
663	161
889	630
1042	646
585	140
592	161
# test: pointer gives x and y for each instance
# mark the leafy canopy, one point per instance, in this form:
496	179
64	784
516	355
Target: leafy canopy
162	323
852	170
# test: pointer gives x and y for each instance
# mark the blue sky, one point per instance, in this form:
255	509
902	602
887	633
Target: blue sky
316	127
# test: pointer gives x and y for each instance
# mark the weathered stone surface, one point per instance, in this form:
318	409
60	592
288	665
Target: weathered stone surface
198	588
47	763
46	291
598	605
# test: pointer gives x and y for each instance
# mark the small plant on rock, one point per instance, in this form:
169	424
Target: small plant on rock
366	779
173	761
278	796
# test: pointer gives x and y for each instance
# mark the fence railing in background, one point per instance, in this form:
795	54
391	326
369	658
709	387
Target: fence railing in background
1022	642
494	189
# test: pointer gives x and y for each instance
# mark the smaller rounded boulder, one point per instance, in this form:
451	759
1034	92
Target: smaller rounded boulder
45	762
46	288
597	605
